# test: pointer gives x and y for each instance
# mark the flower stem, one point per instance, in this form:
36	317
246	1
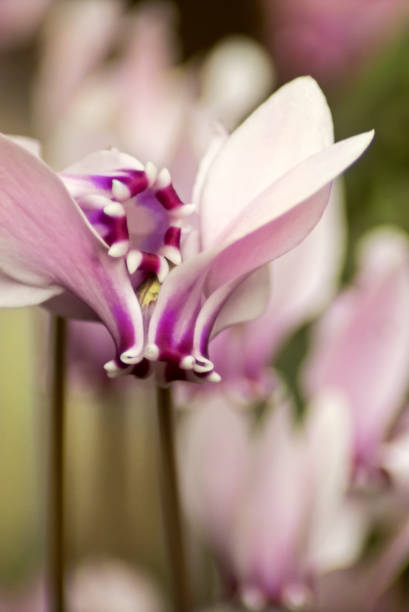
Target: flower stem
170	501
56	555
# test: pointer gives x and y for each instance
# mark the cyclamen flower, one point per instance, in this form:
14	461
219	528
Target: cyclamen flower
99	239
361	350
271	504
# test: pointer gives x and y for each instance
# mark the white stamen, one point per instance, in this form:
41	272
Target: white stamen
183	211
95	200
171	253
127	161
118	249
187	362
205	365
151	352
120	191
163	269
213	377
113	371
114	209
110	366
151	172
133	261
131	356
163	179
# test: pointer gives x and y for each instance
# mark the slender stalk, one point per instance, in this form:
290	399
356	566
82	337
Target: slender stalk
56	554
171	505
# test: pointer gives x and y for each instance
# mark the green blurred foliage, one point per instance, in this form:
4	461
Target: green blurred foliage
377	189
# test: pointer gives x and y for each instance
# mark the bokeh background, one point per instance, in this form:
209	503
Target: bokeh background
51	51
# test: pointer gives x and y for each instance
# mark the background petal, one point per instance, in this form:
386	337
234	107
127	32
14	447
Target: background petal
361	347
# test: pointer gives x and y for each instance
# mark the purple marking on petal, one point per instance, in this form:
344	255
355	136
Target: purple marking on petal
150	263
125	327
204	339
135	180
169	198
172	236
117	229
164	330
111	229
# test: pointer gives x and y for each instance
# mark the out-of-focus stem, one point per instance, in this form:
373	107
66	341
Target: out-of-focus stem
171	504
56	553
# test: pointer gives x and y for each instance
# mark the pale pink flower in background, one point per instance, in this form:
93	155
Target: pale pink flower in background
143	101
133	102
259	192
272	503
19	19
235	76
361	348
77	36
328	39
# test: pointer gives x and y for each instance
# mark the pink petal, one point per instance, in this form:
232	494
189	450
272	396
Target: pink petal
361	347
46	242
259	236
336	525
302	281
295	122
280	217
271	517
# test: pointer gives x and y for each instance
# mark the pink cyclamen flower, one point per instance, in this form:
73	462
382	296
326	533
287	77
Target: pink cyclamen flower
272	504
361	346
105	233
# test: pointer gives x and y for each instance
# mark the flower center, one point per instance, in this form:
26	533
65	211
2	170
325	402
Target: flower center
139	216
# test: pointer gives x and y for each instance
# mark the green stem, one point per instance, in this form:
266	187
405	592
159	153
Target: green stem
56	555
171	504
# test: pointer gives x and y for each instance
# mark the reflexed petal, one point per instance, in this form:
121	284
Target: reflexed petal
46	242
250	248
293	124
279	218
248	301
